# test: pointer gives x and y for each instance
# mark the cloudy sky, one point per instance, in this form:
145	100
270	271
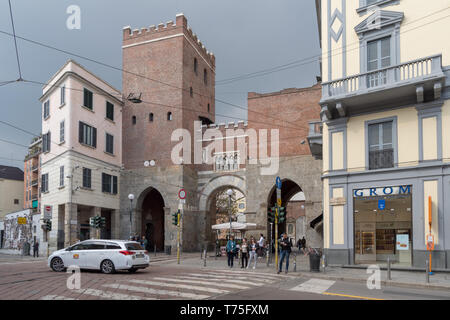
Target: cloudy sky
246	36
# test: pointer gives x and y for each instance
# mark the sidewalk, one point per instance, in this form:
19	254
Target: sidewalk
439	280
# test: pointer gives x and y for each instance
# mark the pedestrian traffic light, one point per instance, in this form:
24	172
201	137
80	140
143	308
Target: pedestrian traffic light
281	214
175	219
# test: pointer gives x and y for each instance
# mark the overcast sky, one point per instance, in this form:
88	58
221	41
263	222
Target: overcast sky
245	36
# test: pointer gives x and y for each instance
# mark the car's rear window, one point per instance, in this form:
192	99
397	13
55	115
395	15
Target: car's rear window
133	246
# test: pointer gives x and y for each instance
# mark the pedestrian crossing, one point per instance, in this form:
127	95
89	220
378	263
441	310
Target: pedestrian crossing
318	286
190	286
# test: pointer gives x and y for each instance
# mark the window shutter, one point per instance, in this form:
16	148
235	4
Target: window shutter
104	183
94	137
49	140
114	185
80	132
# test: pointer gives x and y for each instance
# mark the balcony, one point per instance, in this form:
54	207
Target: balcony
34	183
315	138
225	162
410	82
34	168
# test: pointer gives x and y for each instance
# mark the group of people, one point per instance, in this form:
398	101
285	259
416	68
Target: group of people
251	250
143	241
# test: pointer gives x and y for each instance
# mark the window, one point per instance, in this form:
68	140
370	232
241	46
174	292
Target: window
133	120
111	246
169	116
46	142
378	57
205	77
44	183
369	2
87	135
109	111
88	99
381	150
150	117
109	143
95	246
63	95
46	109
61	131
195	65
61	176
87	178
191	91
133	246
109	183
208	107
16	201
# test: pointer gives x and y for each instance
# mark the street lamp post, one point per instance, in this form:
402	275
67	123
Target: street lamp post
131	197
229	193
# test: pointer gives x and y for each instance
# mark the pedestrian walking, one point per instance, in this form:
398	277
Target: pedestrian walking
231	250
304	244
285	252
299	244
261	244
253	249
244	253
144	243
36	249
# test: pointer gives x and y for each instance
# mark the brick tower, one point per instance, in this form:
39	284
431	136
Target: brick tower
173	74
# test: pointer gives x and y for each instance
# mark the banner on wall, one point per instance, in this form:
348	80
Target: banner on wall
402	242
383	191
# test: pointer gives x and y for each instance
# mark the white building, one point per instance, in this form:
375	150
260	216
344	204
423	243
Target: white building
81	156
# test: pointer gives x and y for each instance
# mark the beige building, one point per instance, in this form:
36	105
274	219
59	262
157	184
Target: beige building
386	130
81	156
11	190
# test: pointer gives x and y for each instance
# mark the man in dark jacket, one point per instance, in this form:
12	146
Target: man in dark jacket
285	245
36	249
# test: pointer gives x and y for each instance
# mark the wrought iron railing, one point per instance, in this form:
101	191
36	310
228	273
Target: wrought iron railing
381	159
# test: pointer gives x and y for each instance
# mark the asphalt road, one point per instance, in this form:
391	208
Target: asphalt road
28	279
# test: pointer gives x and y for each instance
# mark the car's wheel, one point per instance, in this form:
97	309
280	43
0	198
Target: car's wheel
132	270
57	265
107	266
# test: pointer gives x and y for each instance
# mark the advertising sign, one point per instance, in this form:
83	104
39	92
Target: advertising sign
402	242
381	204
22	220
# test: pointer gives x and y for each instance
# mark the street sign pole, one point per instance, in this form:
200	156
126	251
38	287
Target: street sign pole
178	237
276	237
182	197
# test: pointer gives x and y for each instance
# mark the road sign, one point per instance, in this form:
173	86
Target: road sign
47	212
278	182
430	242
22	220
182	194
381	204
279	202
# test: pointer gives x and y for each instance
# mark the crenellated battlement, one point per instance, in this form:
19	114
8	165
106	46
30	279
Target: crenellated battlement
223	126
168	29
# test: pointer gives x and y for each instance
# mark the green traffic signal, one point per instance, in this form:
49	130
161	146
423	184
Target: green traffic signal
175	219
49	225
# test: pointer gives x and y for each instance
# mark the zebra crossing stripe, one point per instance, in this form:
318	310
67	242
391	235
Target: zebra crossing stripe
314	286
263	274
157	291
254	282
110	295
196	280
55	297
242	277
181	286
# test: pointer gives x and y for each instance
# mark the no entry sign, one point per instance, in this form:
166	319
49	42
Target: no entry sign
182	194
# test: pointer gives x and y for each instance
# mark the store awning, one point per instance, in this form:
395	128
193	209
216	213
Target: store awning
316	221
234	226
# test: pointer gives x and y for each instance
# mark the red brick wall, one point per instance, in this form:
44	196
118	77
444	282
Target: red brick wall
167	58
288	110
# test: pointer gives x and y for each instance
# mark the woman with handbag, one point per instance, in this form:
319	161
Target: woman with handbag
253	249
244	253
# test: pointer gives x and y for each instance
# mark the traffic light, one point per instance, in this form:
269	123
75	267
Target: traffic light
281	214
102	221
48	225
175	219
271	214
92	221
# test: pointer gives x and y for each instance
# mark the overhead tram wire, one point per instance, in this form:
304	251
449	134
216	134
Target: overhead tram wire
15	41
185	89
183	108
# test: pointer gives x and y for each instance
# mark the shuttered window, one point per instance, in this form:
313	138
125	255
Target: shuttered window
88	99
109	183
87	178
109	143
109	111
87	135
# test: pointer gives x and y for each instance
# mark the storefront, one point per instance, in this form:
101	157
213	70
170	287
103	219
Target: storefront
383	225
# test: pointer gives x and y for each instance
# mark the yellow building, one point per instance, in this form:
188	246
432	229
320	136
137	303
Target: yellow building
386	130
11	190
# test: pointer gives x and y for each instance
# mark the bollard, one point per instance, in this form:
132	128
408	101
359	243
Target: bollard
201	253
427	273
267	257
324	263
389	269
204	260
295	262
155	250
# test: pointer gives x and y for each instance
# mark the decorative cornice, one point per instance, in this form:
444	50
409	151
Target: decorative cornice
378	20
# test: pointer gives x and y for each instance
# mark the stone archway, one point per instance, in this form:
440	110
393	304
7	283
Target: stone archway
150	218
208	195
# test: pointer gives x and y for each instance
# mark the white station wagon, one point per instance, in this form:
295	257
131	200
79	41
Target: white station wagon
104	255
